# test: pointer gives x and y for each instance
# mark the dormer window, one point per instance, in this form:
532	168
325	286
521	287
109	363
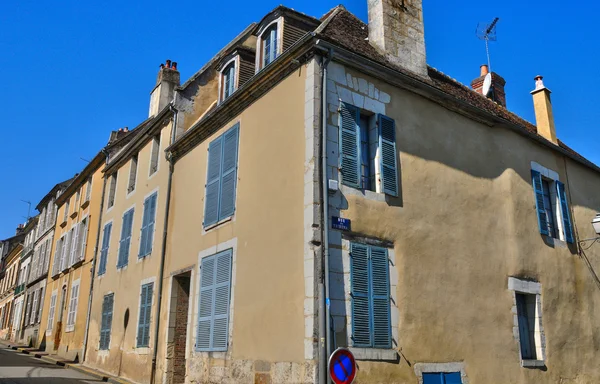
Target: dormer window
269	44
228	80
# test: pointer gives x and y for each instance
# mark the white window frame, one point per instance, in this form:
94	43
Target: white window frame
259	42
521	286
71	326
236	66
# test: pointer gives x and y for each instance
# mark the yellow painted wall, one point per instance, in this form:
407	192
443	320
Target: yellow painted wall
268	276
71	343
123	358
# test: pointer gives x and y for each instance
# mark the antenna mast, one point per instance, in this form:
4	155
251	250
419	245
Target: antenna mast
487	32
28	208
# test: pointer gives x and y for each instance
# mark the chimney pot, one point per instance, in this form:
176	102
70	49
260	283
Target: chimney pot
539	82
168	63
174	65
162	65
484	70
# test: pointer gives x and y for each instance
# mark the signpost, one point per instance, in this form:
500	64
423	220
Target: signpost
342	366
340	223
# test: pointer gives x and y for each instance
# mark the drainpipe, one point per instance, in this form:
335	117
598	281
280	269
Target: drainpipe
93	272
164	248
324	324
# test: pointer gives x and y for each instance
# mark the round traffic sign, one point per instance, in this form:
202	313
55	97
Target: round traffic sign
342	366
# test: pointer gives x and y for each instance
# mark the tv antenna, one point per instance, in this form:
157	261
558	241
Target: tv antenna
28	208
487	32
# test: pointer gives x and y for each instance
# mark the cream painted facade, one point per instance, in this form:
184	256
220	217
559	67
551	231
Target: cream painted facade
7	289
67	288
123	356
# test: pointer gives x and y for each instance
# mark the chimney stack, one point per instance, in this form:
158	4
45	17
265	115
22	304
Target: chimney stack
496	90
20	228
543	110
396	31
163	92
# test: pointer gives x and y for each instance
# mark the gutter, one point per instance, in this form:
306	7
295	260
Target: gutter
164	246
93	272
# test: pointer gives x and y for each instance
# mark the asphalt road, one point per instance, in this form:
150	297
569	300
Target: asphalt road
18	368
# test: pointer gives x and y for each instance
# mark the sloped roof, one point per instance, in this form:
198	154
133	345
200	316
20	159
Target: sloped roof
346	30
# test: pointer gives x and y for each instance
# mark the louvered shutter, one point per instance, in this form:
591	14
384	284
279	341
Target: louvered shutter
389	166
152	221
66	253
380	296
148	225
229	173
566	214
221	301
213	182
125	239
207	277
107	308
56	263
143	338
104	250
349	144
359	281
74	241
80	254
102	343
452	378
144	232
539	202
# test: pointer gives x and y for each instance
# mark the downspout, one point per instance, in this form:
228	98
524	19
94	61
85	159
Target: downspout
93	272
324	303
164	248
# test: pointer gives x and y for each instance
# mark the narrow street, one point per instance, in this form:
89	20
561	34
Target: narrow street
18	368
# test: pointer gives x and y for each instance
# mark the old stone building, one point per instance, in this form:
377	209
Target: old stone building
10	260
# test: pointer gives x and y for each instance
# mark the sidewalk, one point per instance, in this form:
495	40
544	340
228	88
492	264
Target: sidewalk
52	359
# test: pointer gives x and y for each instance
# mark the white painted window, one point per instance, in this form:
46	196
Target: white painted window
228	83
51	311
269	44
72	314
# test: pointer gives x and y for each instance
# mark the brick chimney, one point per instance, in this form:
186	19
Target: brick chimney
497	89
543	110
396	31
166	82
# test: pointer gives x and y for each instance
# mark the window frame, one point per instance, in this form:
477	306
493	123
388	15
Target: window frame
103	262
235	63
122	240
101	346
276	24
112	190
147	322
142	252
70	327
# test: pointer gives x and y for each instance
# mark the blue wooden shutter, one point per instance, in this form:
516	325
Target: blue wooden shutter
148	220
144	232
107	308
349	144
433	378
143	337
213	182
125	238
359	280
203	330
452	378
566	215
104	251
539	202
229	173
380	298
526	351
389	165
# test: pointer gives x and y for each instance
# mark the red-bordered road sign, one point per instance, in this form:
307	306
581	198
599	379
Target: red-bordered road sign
342	366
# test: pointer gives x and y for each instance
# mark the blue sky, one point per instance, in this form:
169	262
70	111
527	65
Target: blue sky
75	70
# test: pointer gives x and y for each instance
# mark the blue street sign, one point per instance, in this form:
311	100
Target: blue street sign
342	366
340	223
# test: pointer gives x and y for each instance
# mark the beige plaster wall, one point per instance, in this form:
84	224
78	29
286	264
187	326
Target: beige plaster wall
123	358
266	233
464	222
71	343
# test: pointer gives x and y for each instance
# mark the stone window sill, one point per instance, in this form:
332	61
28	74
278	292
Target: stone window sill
223	221
533	363
85	204
374	354
64	223
369	195
74	214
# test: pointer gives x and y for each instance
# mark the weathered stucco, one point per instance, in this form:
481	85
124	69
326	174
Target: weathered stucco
123	358
266	234
463	223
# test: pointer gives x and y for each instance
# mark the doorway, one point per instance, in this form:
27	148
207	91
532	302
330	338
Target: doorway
177	332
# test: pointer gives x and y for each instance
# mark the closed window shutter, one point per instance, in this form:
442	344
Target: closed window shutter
125	238
74	243
107	308
442	378
104	250
143	337
452	378
149	218
213	182
34	308
103	325
229	173
566	215
38	315
359	280
66	251
389	166
83	231
349	144
144	232
56	263
215	290
51	312
539	202
380	288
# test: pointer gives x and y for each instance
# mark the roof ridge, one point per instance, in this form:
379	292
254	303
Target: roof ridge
333	12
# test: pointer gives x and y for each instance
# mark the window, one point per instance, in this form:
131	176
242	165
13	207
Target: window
149	217
368	151
77	197
38	315
154	155
72	251
66	251
72	314
112	190
104	249
228	80
67	209
82	229
143	335
132	174
442	378
57	256
27	308
527	327
554	219
370	284
221	177
107	314
125	241
88	189
34	307
213	304
269	45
